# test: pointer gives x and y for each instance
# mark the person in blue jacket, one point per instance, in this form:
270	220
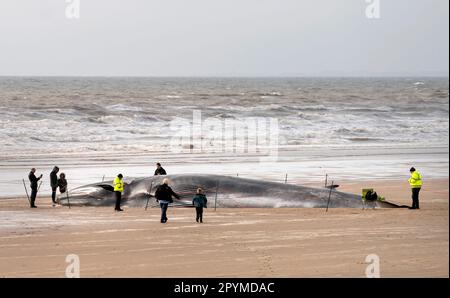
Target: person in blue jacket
200	202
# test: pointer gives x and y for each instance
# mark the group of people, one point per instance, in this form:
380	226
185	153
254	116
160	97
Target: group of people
164	196
119	186
55	183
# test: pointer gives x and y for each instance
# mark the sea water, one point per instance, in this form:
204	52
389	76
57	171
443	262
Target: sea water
350	128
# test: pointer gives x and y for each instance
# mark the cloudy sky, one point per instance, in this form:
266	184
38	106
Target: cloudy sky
224	38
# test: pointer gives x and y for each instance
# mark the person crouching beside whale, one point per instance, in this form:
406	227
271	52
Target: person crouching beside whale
62	183
200	202
164	196
118	188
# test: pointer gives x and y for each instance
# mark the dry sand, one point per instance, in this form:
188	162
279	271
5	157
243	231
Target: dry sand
231	242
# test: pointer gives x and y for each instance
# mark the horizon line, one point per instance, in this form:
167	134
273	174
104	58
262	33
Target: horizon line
228	76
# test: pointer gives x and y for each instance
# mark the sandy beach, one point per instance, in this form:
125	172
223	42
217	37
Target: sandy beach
231	242
280	112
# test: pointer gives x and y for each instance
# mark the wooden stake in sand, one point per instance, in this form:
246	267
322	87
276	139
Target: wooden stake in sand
329	195
285	179
103	179
215	199
149	195
26	191
326	180
67	195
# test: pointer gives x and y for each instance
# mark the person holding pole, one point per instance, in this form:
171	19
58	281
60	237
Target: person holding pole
34	186
118	188
199	201
164	194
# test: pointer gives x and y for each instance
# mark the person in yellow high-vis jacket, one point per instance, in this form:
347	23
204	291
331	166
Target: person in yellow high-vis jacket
415	181
118	188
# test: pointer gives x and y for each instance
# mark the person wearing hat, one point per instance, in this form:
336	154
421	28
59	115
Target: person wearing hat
164	194
118	188
54	182
415	181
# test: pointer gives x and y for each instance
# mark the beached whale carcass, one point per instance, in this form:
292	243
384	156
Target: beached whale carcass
222	191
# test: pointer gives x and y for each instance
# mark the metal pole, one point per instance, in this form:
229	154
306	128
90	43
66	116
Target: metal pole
67	195
326	180
285	179
39	186
149	194
215	199
329	195
26	190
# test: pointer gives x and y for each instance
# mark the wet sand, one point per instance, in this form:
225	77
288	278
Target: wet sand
231	242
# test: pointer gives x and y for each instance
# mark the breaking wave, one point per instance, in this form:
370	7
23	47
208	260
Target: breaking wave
135	114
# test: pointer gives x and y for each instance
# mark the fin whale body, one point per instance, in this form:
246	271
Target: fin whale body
231	192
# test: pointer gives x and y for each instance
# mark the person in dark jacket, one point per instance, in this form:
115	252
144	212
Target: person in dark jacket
164	196
54	182
159	170
62	183
200	202
34	186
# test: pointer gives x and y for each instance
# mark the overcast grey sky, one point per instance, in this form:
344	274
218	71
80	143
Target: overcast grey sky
224	38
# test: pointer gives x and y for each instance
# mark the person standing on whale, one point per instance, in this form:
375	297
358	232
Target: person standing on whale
164	196
159	170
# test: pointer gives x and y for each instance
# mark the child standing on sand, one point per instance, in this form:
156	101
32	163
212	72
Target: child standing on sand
199	201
